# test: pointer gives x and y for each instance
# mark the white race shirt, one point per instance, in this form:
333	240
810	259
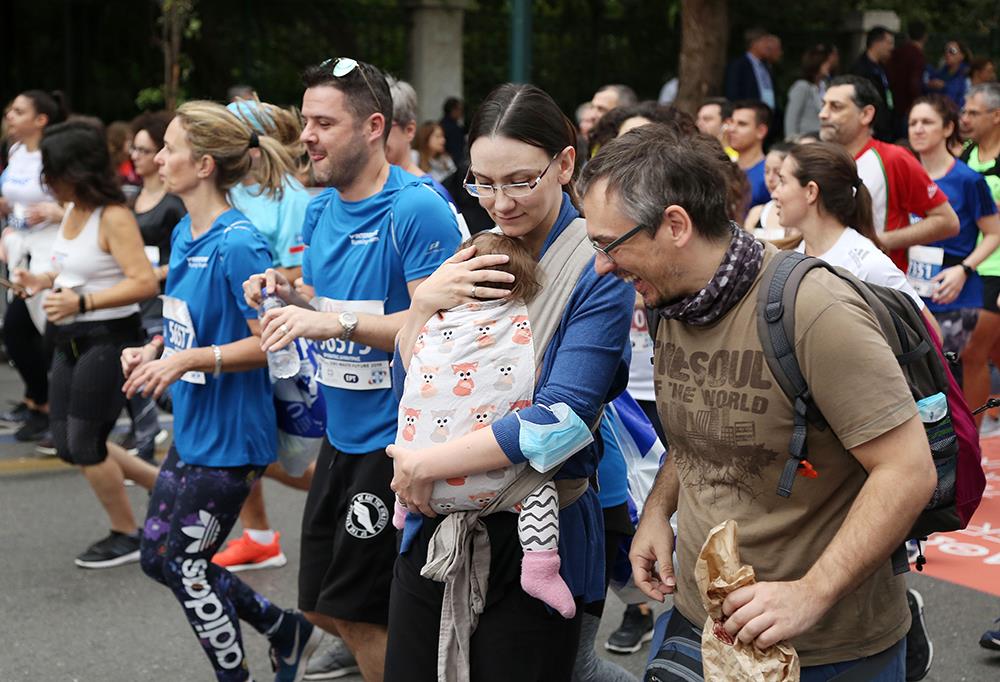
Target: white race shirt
858	255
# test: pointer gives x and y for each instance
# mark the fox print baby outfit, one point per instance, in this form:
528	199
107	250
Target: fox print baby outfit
471	365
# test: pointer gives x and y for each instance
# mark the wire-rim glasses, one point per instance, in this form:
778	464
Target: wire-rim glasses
513	190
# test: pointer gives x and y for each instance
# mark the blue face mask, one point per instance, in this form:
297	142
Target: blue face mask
546	446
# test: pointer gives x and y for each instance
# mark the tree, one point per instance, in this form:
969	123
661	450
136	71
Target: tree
704	40
178	21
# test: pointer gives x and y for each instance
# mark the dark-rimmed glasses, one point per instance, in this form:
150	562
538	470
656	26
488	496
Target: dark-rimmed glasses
513	190
606	250
342	66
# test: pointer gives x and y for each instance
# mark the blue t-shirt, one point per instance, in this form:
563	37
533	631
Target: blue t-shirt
970	196
612	476
359	257
758	188
279	222
226	421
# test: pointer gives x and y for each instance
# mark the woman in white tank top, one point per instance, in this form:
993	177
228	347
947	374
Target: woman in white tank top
32	216
97	273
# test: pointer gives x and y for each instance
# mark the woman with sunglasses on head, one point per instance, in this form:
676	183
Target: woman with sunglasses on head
951	77
522	149
33	216
944	272
224	424
96	274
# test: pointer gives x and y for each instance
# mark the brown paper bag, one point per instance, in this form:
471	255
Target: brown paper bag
718	572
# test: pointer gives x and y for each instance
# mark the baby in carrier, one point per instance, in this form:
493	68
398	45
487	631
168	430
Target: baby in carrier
471	365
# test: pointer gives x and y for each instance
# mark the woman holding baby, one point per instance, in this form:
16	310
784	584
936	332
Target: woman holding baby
565	359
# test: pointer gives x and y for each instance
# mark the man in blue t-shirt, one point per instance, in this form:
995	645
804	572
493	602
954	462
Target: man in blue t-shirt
748	126
371	238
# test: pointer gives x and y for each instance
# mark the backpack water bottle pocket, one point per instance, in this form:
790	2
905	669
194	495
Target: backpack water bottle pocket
944	450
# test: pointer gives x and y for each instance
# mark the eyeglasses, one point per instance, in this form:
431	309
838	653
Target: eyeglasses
342	66
141	151
513	190
975	113
606	250
953	50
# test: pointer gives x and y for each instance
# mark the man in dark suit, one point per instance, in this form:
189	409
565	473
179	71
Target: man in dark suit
749	76
906	74
879	44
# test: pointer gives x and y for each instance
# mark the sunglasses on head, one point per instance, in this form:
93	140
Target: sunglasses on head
343	66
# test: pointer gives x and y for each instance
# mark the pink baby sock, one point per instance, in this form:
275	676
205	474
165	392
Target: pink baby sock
398	515
540	578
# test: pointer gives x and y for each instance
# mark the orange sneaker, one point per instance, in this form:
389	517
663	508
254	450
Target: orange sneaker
243	554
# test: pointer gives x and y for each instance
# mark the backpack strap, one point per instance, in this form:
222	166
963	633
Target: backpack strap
966	156
776	329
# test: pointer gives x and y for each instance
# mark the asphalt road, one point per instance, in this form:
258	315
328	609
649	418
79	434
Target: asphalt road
61	623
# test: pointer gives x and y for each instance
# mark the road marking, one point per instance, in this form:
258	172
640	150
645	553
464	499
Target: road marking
29	465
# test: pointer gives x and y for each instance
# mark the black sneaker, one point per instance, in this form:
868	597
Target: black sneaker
17	415
114	550
991	638
34	427
919	648
46	446
635	630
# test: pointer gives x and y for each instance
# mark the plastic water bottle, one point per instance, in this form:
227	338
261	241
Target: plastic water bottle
283	363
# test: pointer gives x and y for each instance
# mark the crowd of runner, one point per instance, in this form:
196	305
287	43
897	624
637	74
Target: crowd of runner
474	491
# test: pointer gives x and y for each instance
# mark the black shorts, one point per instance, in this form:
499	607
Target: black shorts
348	541
991	289
518	637
85	386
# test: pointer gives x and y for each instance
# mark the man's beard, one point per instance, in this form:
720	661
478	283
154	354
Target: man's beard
345	168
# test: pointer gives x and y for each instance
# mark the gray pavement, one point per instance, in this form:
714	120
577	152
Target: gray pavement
60	623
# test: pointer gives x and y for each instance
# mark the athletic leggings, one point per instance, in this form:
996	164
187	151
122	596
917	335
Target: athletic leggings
28	351
191	511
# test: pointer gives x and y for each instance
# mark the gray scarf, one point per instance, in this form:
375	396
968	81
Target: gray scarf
730	283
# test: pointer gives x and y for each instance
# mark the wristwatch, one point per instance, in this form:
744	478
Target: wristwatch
349	322
968	270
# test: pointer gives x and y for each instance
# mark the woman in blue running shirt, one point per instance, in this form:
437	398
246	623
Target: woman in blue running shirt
224	428
523	156
944	272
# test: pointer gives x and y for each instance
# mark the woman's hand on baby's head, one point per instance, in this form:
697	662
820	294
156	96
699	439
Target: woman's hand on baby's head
460	280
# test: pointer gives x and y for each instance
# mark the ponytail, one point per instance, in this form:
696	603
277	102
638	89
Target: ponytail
842	194
862	219
215	131
51	104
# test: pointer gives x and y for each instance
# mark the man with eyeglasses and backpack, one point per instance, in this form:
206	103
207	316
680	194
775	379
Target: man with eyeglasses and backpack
822	546
371	239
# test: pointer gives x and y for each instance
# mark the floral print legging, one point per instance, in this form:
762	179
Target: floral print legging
191	511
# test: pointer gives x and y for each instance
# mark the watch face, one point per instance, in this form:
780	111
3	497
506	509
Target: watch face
349	318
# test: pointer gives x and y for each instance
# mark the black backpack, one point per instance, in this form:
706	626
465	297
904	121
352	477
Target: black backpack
903	326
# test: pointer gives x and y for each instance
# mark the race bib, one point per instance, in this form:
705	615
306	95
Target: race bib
179	334
346	364
926	262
